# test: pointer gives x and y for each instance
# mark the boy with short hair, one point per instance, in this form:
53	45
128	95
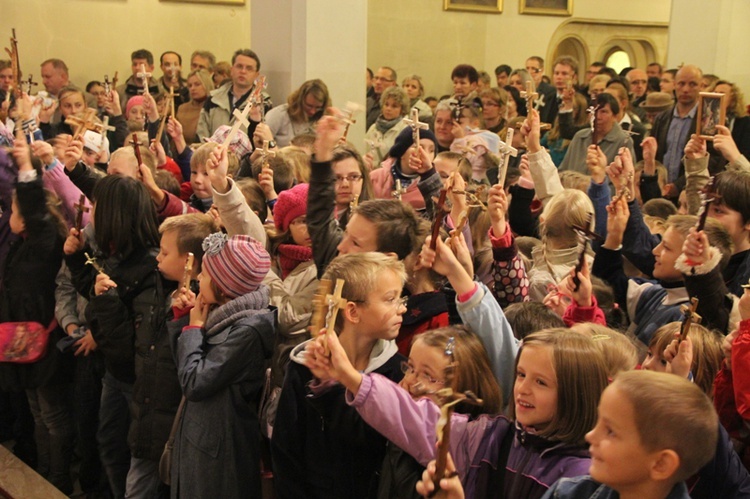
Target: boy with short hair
181	235
639	446
320	446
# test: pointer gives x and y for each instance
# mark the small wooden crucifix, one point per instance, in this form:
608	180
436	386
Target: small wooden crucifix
256	98
440	213
708	195
103	129
137	149
448	400
29	84
114	81
170	103
689	317
187	274
81	208
107	85
320	307
585	234
80	125
335	303
347	118
416	126
592	110
398	191
530	95
265	153
506	150
144	76
92	261
15	64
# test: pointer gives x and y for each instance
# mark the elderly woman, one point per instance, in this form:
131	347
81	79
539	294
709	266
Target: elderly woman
199	84
302	110
414	89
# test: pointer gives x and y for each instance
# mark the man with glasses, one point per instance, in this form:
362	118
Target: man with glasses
535	68
384	77
219	107
638	80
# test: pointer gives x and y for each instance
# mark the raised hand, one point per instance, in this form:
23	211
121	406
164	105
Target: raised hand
497	206
695	147
103	284
450	487
44	151
73	153
696	247
328	133
596	162
724	143
74	242
618	214
217	167
583	296
679	356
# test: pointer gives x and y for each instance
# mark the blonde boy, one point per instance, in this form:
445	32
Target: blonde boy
654	431
320	446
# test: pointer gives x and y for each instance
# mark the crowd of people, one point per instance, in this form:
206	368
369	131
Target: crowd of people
554	268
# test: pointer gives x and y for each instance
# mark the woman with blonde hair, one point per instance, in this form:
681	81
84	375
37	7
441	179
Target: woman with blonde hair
199	85
414	88
304	107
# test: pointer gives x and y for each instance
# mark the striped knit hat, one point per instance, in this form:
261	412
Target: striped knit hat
237	265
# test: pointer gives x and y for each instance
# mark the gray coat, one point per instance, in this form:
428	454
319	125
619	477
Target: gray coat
217	445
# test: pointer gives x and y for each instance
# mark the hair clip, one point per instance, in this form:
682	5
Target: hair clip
600	337
214	243
450	346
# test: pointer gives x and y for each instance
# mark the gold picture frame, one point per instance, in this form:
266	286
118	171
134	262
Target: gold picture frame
712	111
487	6
215	2
547	7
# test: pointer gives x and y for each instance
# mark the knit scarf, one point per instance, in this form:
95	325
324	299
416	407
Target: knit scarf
291	255
253	303
383	125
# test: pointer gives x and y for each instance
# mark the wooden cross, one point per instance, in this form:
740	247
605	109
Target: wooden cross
624	190
530	95
689	317
240	119
448	400
171	103
585	234
92	261
708	195
14	63
81	208
188	272
107	85
347	118
256	98
104	128
399	190
463	218
137	149
416	126
320	307
507	150
266	152
335	303
114	81
592	110
30	83
144	76
440	213
80	125
160	130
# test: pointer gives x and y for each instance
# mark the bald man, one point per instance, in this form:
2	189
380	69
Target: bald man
672	128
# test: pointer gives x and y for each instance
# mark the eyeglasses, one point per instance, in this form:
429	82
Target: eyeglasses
533	70
409	370
352	177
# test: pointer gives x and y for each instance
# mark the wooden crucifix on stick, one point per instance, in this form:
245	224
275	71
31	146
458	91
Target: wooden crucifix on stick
440	213
416	126
506	151
15	64
585	234
592	110
103	129
347	118
29	84
326	307
690	317
81	208
144	76
137	149
265	153
256	97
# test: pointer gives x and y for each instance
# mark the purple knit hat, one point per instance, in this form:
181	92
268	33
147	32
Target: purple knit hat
292	203
237	265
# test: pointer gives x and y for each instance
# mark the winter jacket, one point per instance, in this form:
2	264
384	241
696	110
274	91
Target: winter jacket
217	444
323	227
385	140
283	128
321	447
585	487
533	463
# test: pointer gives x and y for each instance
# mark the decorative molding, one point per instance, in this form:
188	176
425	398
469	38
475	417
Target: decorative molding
486	6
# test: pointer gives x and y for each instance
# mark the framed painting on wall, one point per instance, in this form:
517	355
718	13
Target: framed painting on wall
217	2
547	7
489	6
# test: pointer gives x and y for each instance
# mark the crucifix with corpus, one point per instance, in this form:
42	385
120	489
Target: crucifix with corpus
144	76
506	150
256	98
81	208
585	234
265	153
415	125
29	84
103	129
592	110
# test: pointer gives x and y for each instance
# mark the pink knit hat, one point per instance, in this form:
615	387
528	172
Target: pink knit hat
237	265
133	101
292	203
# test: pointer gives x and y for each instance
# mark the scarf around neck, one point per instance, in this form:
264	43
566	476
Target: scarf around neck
383	125
253	303
291	255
